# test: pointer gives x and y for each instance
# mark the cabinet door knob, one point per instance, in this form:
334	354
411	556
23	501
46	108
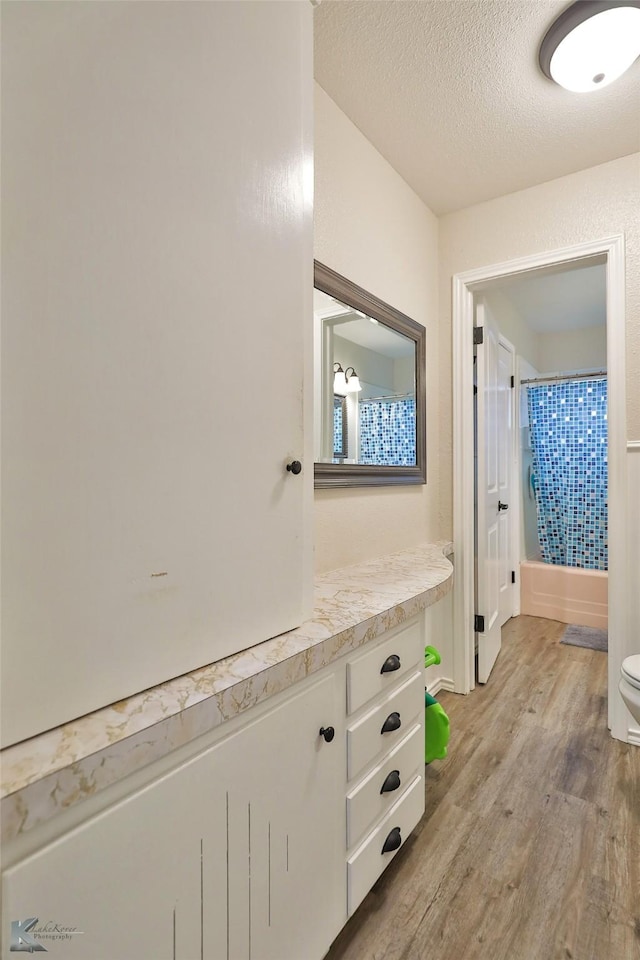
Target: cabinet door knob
295	467
391	783
391	663
393	722
393	841
328	733
502	506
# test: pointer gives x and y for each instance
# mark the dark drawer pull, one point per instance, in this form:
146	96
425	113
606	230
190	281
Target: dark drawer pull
391	783
393	841
393	722
391	663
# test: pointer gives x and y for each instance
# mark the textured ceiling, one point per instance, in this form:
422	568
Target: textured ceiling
451	95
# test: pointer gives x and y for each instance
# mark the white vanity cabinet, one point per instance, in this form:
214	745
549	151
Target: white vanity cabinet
130	881
157	177
385	753
235	854
253	842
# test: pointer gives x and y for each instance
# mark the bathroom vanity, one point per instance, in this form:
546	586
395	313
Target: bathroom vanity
242	811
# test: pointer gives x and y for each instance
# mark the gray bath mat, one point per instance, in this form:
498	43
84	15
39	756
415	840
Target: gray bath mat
590	637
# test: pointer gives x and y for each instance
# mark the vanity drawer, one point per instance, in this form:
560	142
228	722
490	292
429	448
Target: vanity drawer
367	802
369	860
400	653
400	710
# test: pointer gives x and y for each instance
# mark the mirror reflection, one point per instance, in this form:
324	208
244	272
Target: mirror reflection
369	416
368	389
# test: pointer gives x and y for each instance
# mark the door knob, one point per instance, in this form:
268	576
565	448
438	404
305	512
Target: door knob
502	506
328	733
391	663
393	722
295	467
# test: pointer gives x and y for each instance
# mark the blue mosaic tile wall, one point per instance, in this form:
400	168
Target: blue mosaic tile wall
568	423
337	430
388	432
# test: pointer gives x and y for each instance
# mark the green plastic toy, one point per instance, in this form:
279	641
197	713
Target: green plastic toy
436	722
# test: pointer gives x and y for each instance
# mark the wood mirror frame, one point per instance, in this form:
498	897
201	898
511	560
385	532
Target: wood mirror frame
328	475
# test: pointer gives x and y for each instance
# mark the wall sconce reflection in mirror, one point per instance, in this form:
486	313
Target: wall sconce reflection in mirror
345	382
339	379
369	411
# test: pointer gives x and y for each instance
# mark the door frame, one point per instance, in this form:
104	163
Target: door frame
464	286
514	475
487	559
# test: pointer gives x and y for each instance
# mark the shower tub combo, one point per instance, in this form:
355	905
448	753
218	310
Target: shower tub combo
567	594
564	459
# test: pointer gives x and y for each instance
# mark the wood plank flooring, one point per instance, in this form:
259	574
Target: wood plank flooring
530	845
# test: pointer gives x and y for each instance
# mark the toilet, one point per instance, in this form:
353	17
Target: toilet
630	685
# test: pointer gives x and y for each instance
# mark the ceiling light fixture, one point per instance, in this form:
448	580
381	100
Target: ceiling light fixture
591	44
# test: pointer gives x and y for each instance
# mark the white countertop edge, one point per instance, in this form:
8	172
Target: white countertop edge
354	605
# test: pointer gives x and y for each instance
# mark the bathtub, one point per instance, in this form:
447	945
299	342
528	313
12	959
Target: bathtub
568	594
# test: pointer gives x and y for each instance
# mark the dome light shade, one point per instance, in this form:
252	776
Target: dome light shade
353	381
592	44
339	379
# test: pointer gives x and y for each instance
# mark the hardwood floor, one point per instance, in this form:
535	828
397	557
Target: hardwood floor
530	845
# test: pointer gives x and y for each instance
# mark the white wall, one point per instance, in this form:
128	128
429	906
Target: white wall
371	366
633	564
404	375
512	326
584	349
372	228
584	206
439	634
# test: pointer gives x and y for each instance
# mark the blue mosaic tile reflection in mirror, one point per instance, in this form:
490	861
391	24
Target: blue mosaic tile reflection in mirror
339	428
568	423
388	432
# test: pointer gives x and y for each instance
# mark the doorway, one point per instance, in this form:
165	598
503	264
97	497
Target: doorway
465	290
555	318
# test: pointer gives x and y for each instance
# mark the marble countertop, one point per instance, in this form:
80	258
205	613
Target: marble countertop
352	606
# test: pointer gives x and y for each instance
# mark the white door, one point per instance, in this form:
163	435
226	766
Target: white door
506	365
144	879
152	344
488	494
287	882
238	854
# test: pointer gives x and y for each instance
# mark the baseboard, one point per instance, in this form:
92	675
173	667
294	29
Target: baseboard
634	736
440	683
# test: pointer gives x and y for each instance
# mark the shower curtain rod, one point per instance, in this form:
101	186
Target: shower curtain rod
566	376
395	396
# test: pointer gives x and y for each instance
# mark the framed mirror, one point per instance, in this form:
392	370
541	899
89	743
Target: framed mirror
369	389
